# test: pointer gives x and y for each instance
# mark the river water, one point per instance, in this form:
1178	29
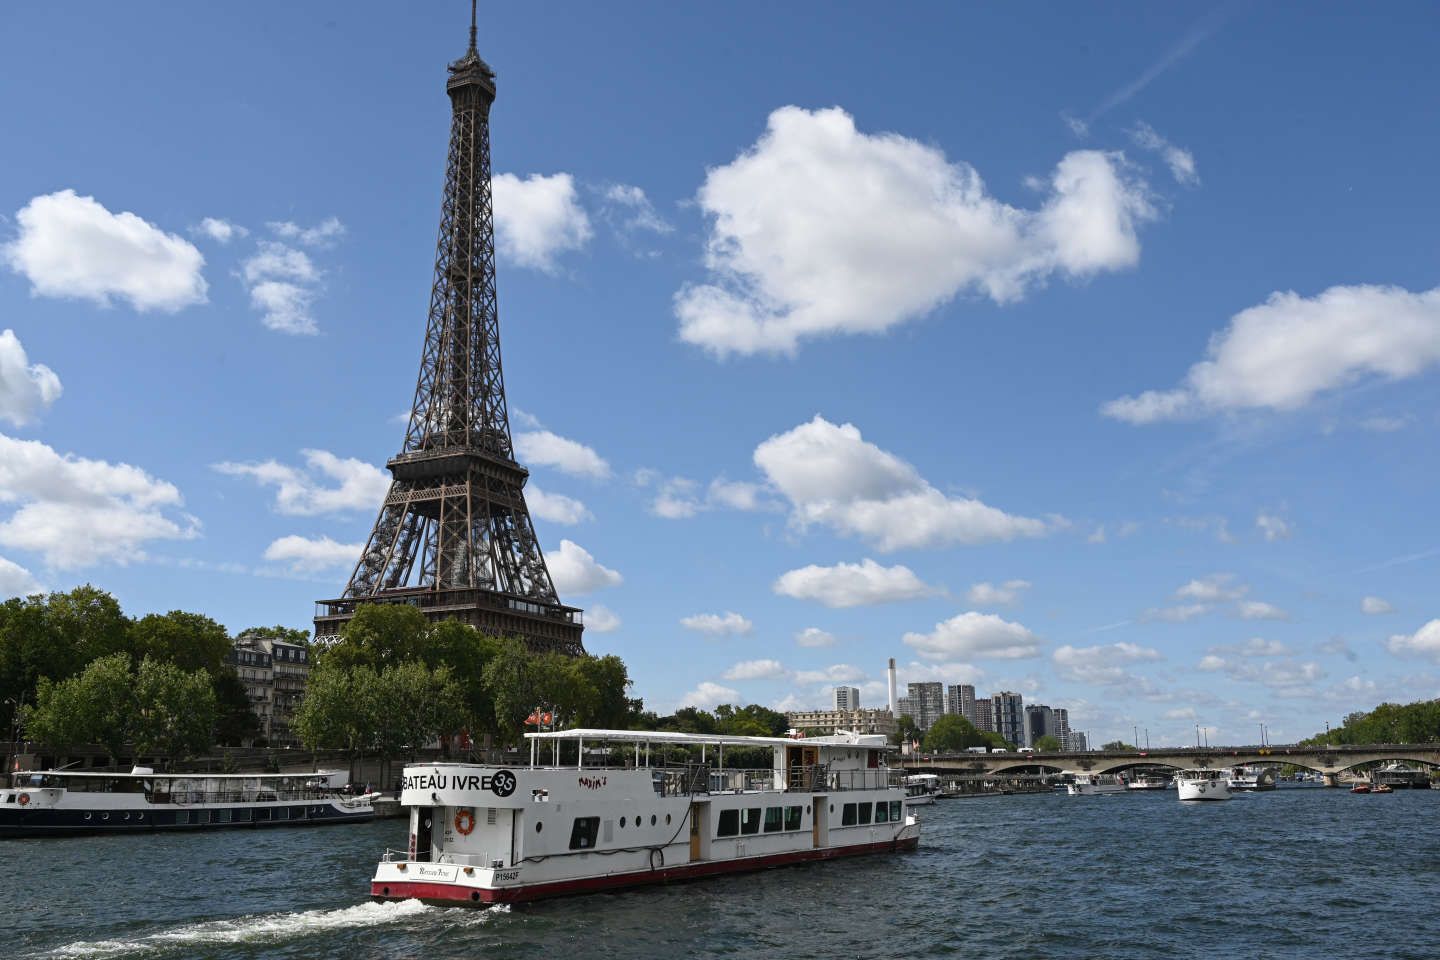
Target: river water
1292	873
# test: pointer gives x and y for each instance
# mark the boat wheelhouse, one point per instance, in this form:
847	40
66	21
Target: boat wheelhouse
67	802
1148	781
616	808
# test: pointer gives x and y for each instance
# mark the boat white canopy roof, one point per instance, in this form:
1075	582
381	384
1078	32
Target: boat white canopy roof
873	741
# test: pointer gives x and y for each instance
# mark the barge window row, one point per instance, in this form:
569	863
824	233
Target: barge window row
747	821
859	814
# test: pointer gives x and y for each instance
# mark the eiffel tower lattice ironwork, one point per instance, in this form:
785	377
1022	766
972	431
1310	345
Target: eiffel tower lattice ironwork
454	536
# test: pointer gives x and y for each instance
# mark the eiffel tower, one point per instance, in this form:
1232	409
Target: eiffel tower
454	536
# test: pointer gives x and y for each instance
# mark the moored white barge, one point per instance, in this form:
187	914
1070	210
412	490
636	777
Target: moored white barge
71	802
619	816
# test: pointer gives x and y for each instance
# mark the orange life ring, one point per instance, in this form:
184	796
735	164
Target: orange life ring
464	822
24	799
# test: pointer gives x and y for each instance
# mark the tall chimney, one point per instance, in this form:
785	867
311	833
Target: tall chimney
894	706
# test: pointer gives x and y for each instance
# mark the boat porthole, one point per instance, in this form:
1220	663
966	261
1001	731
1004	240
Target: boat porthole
139	816
807	808
622	823
385	891
652	819
475	897
832	808
667	819
104	816
87	816
127	816
538	826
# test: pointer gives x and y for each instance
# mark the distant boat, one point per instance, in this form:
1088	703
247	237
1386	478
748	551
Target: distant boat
1360	787
1149	781
1399	776
68	802
1200	784
1252	778
1382	788
921	789
1089	785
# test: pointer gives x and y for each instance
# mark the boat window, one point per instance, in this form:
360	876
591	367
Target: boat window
894	811
792	818
864	813
729	824
222	816
582	834
750	820
847	815
882	812
774	819
622	823
539	826
242	815
181	817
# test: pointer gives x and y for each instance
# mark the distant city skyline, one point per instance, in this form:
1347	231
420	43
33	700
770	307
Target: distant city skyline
1114	389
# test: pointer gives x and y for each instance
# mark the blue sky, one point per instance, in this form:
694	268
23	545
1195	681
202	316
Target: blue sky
1083	352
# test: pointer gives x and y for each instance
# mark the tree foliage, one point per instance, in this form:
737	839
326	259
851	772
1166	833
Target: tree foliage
951	733
1417	722
1048	744
174	710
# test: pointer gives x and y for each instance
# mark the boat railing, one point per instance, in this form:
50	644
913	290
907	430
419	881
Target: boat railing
816	778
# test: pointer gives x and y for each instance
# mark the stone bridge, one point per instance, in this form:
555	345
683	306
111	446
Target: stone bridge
1329	760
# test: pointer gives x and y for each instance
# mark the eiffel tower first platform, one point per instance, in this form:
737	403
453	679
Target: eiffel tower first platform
454	537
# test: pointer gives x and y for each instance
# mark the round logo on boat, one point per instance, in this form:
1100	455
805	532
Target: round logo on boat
503	783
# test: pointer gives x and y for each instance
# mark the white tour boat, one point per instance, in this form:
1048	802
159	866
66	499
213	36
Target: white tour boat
921	789
597	819
1149	781
1094	784
65	802
1200	784
1251	778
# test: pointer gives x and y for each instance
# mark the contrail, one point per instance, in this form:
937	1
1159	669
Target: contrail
1397	561
1200	31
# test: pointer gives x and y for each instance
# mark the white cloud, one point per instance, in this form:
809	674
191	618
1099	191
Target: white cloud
575	571
835	673
545	449
1273	527
320	235
815	637
853	584
16	581
283	283
25	388
756	670
1260	647
975	635
1375	605
72	247
1211	663
709	695
819	229
1280	354
601	619
675	499
832	476
737	495
1180	613
221	231
1104	664
679	498
1382	424
1258	610
555	507
311	555
1180	161
1216	586
307	491
78	513
1424	642
538	219
629	205
729	624
986	594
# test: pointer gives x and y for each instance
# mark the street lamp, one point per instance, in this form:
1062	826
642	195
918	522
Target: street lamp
10	744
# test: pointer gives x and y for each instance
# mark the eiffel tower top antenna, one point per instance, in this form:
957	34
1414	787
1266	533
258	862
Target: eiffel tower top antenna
454	536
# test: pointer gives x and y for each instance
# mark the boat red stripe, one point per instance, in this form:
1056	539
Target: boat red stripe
456	895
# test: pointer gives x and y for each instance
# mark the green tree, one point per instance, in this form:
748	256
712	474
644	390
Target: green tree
512	681
57	717
1118	746
55	636
174	710
339	709
235	721
1048	744
908	732
287	634
382	634
96	706
950	733
87	621
191	641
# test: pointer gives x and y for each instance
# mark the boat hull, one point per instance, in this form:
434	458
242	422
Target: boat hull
459	894
1204	790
